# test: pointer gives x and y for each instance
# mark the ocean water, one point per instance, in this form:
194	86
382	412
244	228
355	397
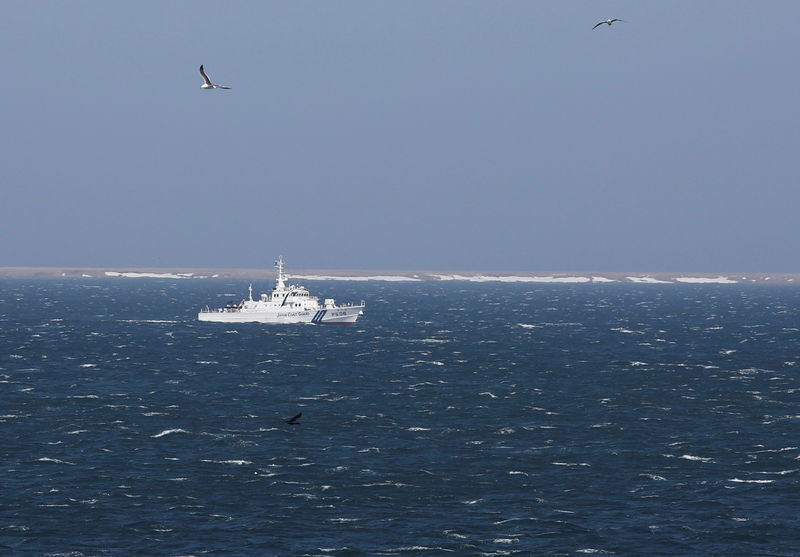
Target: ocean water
472	419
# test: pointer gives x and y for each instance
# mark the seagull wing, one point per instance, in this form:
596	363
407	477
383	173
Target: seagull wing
220	87
205	77
598	25
294	419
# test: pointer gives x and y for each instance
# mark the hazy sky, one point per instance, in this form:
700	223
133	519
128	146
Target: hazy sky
464	135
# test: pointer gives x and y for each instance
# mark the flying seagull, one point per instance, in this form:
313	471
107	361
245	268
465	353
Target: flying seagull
294	421
208	84
608	22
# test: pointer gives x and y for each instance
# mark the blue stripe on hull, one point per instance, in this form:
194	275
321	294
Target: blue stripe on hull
319	315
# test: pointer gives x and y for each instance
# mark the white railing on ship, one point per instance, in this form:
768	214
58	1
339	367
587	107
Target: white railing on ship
219	310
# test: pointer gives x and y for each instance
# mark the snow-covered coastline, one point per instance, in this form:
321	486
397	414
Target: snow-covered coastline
659	278
149	275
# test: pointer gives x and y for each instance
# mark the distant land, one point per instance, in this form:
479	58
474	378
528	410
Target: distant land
122	273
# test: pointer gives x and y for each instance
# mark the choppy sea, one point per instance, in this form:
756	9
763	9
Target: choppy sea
472	419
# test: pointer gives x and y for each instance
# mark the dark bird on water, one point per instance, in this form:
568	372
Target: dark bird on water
294	421
608	22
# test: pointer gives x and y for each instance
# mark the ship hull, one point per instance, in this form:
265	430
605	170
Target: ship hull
323	316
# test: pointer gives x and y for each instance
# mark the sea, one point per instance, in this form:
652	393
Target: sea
452	418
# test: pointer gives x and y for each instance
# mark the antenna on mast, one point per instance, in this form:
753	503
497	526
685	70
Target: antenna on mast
279	265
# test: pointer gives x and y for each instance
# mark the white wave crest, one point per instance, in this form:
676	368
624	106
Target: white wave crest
54	461
168	432
147	321
696	458
234	462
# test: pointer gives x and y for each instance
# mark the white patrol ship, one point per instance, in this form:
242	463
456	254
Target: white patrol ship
285	304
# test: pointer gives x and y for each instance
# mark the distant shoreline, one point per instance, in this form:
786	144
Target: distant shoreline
540	277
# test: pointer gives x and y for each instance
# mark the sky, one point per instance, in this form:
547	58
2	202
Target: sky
417	134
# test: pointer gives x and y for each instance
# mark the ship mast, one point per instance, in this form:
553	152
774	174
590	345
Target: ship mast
279	265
